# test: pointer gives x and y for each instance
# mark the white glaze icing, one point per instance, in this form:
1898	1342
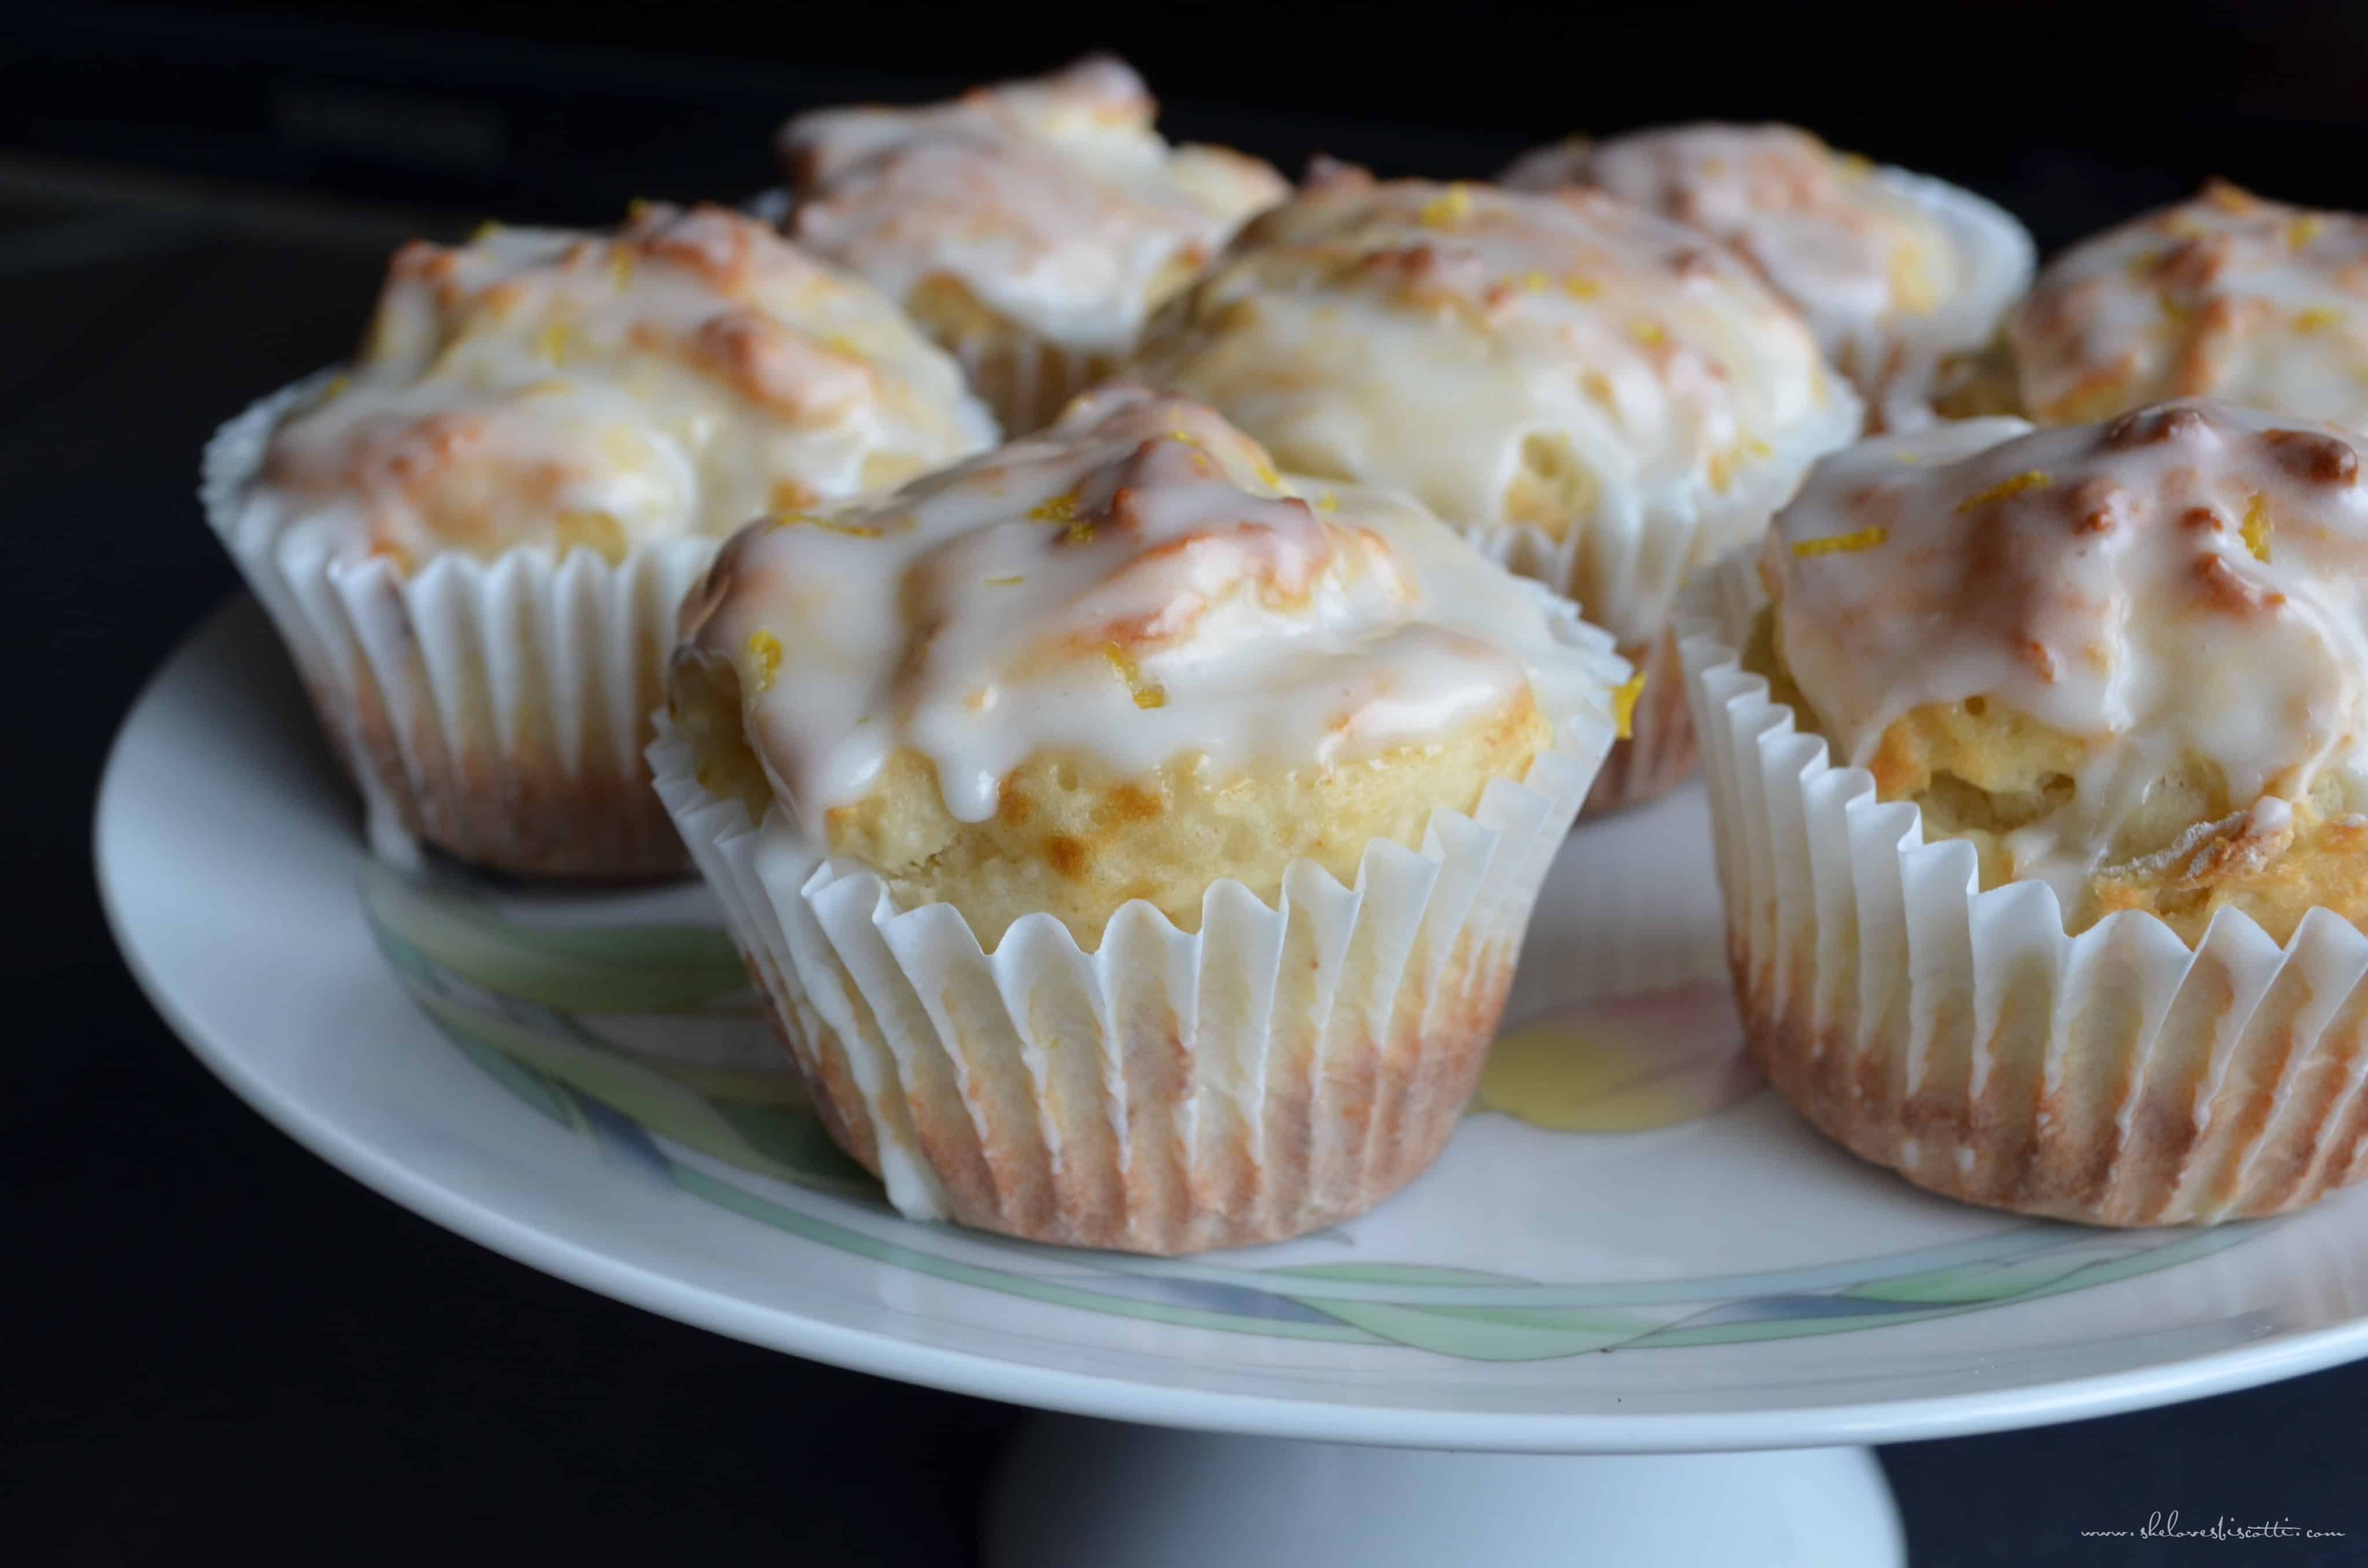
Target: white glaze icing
1135	583
1893	271
2106	580
1053	199
1424	335
677	377
2224	296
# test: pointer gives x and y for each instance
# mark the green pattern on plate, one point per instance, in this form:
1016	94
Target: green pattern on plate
573	1020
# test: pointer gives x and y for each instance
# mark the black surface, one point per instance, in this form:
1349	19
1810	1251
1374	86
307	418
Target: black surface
220	1343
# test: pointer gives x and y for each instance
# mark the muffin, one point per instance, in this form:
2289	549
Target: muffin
1135	845
1595	396
474	540
2224	296
1029	227
2038	760
1900	275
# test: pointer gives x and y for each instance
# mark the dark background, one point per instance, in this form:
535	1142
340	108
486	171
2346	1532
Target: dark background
223	1345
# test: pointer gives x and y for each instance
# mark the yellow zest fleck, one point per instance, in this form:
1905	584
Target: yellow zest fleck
1003	582
2141	266
1446	209
1327	501
1147	694
1180	433
335	388
620	266
2317	318
2304	229
1060	509
2030	479
2229	198
1911	459
828	524
1837	544
1623	702
2255	529
1266	474
549	386
554	342
484	232
765	653
2172	308
1536	283
1650	333
1857	165
638	209
1579	286
789	519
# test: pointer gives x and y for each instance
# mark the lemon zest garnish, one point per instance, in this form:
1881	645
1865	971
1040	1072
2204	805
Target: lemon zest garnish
1911	459
1327	501
1536	283
2030	479
1444	210
620	266
1267	476
1147	694
1060	509
765	649
1864	538
2318	318
549	386
1648	332
554	342
828	524
335	388
1623	703
2304	229
2255	528
484	232
789	519
1180	433
2172	308
1003	582
638	209
1858	165
1579	286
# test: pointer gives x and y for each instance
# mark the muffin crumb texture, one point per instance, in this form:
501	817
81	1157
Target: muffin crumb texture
1122	661
2127	659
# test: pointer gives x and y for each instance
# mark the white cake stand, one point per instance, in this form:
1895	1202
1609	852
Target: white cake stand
1665	1340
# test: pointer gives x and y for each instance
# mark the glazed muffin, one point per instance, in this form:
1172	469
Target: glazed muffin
1597	397
1029	227
474	540
1900	276
2224	296
1037	793
2071	923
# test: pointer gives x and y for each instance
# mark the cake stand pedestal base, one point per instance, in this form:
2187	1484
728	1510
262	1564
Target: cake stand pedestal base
1080	1494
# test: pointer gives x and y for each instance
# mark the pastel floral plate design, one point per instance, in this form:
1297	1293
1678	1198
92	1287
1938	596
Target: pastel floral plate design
583	1079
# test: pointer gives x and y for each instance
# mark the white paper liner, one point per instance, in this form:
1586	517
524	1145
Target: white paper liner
1286	1067
497	710
1898	363
1962	1039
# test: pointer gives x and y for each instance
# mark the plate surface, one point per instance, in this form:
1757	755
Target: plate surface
581	1081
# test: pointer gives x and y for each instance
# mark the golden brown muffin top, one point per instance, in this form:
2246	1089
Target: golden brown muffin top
2224	295
677	377
1053	199
2179	593
1135	584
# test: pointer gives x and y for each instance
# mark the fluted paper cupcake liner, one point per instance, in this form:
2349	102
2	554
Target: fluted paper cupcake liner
1286	1066
497	710
1963	1039
1660	752
1899	363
